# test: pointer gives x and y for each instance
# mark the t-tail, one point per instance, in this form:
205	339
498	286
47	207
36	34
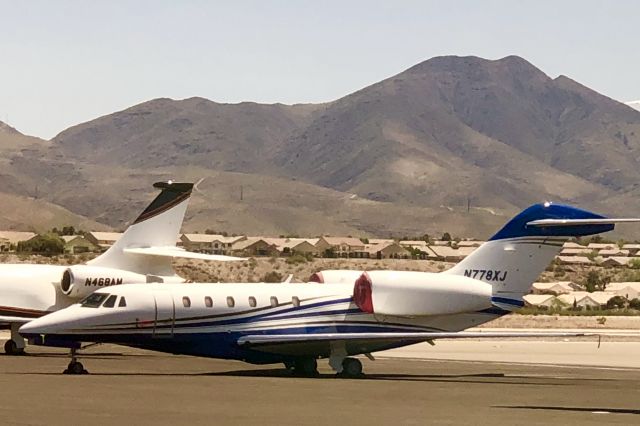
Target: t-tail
515	256
157	226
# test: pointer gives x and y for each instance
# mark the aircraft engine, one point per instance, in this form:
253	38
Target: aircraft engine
419	293
335	276
80	281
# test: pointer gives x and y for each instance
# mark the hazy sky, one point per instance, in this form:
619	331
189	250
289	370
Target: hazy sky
65	62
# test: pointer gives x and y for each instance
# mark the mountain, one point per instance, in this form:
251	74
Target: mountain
634	104
406	155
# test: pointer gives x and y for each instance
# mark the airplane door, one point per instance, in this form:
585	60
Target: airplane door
165	315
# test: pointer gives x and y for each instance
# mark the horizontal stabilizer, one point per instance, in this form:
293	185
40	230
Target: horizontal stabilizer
579	222
171	251
18	320
258	340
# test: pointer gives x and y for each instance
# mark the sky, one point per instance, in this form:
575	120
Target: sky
66	62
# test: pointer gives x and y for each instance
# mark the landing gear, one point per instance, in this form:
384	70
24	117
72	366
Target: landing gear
351	367
11	348
304	367
15	345
75	366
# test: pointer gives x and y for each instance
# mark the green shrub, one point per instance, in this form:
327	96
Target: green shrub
48	244
272	277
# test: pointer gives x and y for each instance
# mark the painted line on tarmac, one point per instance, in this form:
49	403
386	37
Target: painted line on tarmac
520	364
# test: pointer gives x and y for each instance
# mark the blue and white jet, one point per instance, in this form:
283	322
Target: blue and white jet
297	324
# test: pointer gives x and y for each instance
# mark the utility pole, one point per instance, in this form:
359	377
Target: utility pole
241	192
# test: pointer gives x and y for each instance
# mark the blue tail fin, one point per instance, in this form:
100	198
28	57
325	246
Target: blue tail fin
516	255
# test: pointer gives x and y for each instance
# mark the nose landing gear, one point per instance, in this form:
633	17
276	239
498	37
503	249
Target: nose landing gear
75	366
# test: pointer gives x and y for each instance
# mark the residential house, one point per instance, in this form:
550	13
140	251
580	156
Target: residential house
539	300
613	252
342	247
290	246
573	260
10	239
103	240
254	246
628	290
389	250
572	245
470	243
209	243
554	288
602	246
75	244
614	261
449	254
633	248
584	300
576	252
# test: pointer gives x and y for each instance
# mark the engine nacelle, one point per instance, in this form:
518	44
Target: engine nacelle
80	281
419	293
335	276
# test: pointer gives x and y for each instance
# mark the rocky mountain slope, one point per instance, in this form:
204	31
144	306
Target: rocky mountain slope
406	155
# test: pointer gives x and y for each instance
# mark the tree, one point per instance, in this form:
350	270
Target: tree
594	281
446	236
617	302
48	244
635	304
634	263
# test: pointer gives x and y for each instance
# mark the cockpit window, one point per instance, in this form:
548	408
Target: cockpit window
94	300
123	303
110	302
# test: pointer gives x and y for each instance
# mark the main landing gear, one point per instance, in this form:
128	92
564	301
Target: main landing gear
15	345
75	366
11	348
308	367
351	367
303	367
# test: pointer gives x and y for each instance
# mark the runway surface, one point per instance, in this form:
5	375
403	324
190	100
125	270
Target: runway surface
129	386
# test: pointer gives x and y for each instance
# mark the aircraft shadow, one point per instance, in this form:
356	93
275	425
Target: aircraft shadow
574	409
480	378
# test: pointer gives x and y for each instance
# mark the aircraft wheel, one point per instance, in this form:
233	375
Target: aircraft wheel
11	348
306	367
351	367
75	367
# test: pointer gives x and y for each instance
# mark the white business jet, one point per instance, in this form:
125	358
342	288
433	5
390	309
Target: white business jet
142	254
296	324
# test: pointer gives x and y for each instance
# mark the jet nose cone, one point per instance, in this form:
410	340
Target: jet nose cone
49	324
33	328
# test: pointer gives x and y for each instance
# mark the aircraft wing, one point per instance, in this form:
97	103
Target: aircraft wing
7	319
180	252
320	343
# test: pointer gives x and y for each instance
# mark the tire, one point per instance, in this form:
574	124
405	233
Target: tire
11	348
75	367
306	367
351	367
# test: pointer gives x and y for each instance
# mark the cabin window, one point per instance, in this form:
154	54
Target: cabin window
230	302
94	300
186	302
123	303
110	302
252	301
295	301
274	301
208	302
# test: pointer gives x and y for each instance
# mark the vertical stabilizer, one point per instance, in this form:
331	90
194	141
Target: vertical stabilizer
157	226
515	256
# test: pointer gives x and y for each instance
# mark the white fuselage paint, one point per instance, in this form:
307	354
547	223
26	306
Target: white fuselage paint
320	305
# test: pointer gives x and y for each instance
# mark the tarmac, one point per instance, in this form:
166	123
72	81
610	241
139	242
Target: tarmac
455	382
